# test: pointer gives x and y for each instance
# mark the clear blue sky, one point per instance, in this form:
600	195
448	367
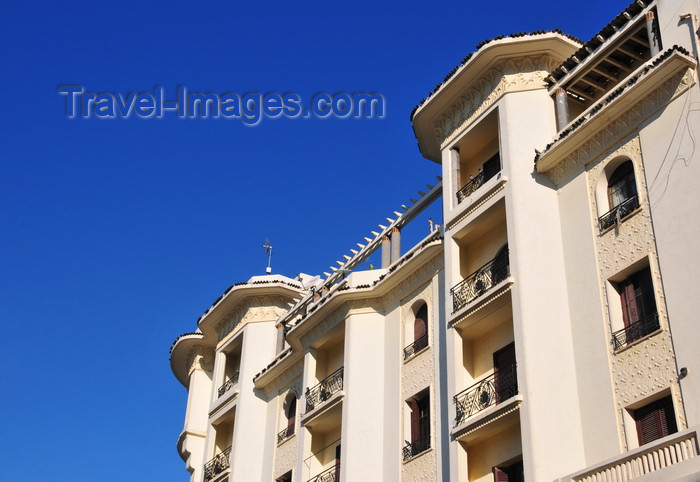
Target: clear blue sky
117	234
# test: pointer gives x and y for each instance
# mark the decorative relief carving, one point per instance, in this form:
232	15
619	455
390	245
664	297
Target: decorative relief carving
200	358
505	76
258	308
417	278
620	126
648	366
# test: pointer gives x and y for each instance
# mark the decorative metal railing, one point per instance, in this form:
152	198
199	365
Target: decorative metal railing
479	282
329	475
493	389
228	384
635	331
217	465
320	393
619	212
286	433
476	182
411	449
415	347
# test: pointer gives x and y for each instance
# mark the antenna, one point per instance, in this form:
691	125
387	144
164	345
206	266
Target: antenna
268	252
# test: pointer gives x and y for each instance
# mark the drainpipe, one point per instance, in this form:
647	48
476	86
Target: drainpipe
652	34
395	244
386	253
562	108
454	158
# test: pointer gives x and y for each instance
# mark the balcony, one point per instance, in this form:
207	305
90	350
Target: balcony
635	331
480	281
228	384
329	475
415	347
217	465
490	391
477	181
414	448
285	434
618	213
675	456
315	396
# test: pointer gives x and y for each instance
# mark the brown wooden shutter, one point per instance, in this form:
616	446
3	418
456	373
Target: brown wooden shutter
630	314
291	412
419	329
499	475
655	420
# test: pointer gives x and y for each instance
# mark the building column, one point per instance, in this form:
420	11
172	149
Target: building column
562	107
301	473
386	252
395	244
653	34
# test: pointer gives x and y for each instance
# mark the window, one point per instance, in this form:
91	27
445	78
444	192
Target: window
289	411
420	425
509	473
285	478
638	308
420	332
655	420
622	195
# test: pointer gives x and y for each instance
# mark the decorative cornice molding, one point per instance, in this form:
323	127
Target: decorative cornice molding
258	308
525	73
621	126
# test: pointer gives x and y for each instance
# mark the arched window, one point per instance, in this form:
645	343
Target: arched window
622	195
419	325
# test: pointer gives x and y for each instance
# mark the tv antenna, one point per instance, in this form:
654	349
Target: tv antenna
268	252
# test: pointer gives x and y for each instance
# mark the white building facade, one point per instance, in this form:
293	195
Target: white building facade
544	332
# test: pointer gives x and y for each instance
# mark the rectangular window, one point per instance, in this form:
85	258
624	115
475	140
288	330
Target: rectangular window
285	478
420	425
638	308
509	473
655	420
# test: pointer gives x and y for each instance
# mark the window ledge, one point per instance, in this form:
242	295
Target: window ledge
416	354
417	456
637	341
622	220
284	440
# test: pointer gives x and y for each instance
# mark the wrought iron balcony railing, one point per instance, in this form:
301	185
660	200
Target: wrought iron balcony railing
329	475
415	347
228	384
479	282
618	213
320	393
476	182
493	389
635	331
411	449
217	465
285	434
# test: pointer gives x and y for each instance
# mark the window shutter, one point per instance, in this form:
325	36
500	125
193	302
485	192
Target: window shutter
419	329
499	475
655	420
630	314
291	412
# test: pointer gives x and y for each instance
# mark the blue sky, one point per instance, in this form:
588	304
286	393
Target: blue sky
118	233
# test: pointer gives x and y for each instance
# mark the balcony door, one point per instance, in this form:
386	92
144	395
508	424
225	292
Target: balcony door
505	380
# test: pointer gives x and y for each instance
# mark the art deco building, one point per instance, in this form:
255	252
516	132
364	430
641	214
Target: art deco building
546	331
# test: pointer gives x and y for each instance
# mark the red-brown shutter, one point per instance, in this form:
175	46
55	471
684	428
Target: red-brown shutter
291	412
499	475
629	303
419	329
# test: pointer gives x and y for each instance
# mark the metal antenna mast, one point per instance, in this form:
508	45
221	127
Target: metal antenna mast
268	252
